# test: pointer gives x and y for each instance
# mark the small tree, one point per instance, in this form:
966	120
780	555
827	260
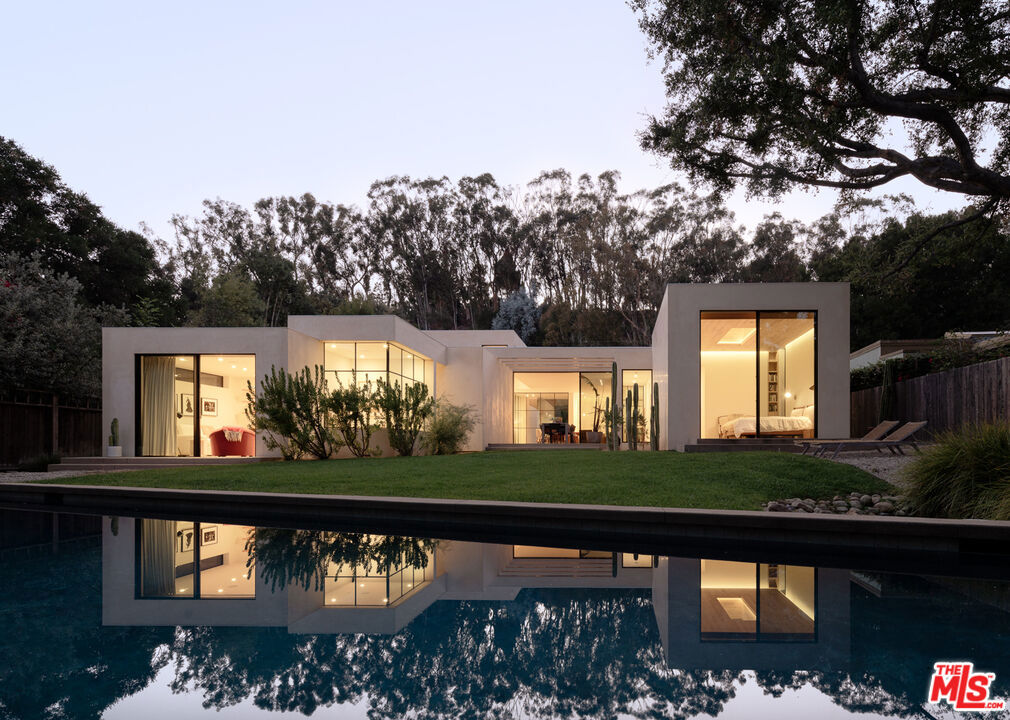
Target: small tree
353	409
291	408
518	312
449	427
405	409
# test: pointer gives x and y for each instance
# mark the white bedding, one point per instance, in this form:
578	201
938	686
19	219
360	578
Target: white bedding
739	426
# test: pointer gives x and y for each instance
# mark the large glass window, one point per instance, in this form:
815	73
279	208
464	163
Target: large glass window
368	361
180	559
377	584
757	374
642	378
594	391
224	428
750	601
542	406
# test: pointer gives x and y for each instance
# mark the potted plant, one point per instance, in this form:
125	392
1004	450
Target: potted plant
115	449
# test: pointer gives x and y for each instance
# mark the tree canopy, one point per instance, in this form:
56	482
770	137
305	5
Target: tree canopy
834	93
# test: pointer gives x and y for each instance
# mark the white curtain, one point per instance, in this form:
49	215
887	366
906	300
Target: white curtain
157	406
157	558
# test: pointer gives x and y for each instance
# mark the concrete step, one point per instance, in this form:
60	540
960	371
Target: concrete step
545	446
105	464
180	461
740	446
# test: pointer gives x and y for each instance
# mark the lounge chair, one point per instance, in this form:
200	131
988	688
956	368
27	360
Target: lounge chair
876	433
893	442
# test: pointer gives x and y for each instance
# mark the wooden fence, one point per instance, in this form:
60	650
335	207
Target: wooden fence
35	423
947	400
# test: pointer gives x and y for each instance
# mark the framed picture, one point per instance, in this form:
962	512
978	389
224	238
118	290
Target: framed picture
186	537
209	406
208	535
186	405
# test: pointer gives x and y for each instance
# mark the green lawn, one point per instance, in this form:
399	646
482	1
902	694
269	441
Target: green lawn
737	481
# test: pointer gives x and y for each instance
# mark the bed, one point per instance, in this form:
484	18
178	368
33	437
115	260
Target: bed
800	423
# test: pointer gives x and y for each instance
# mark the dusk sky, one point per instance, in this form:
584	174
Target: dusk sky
149	110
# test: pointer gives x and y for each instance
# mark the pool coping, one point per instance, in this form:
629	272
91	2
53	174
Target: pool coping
921	541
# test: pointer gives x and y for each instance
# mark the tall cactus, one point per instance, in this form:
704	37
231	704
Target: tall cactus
615	443
654	418
608	421
636	414
628	420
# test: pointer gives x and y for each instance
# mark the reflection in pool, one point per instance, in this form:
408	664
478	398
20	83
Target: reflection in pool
111	629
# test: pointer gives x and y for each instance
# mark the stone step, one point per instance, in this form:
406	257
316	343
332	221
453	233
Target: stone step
174	461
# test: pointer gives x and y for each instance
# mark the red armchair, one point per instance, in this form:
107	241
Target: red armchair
220	445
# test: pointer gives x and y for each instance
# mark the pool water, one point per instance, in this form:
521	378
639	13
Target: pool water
168	619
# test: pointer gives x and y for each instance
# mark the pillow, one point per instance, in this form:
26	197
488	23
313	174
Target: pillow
808	412
797	412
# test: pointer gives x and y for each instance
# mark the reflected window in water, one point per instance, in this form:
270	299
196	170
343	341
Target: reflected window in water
378	584
181	559
757	601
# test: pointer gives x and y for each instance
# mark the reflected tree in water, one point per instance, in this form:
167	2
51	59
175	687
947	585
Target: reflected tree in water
556	653
58	661
304	557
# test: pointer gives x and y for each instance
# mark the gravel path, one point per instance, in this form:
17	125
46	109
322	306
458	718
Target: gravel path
884	465
27	477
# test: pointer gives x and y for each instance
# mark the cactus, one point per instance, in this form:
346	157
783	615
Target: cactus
615	444
607	422
636	414
629	420
654	418
114	437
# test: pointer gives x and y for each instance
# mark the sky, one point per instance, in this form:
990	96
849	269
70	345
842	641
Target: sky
150	108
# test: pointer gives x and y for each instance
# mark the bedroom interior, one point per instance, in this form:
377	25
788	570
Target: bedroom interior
758	374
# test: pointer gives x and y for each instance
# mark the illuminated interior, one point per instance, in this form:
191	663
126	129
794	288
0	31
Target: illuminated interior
751	601
757	374
371	584
176	420
172	550
361	362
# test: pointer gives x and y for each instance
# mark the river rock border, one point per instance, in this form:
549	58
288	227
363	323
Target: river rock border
852	504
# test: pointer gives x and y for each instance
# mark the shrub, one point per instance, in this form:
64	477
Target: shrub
353	409
291	408
449	427
39	463
405	409
965	475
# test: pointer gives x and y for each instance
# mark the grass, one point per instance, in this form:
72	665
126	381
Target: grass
734	481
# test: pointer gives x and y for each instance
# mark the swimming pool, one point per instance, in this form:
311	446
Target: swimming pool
163	618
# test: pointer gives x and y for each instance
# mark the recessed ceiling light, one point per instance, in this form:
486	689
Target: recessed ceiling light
736	336
333	346
234	366
245	369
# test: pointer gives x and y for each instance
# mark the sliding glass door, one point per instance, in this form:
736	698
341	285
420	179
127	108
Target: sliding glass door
758	374
194	405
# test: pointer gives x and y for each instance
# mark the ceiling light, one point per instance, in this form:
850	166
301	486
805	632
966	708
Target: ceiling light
333	346
736	336
234	579
220	590
220	359
234	366
788	394
245	369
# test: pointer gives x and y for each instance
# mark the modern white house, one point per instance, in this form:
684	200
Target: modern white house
729	361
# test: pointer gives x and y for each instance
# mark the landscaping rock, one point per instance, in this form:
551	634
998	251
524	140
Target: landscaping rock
854	504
